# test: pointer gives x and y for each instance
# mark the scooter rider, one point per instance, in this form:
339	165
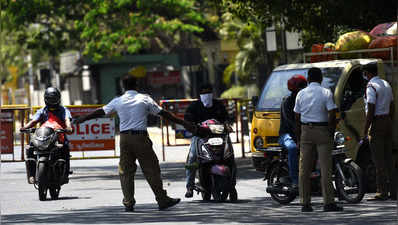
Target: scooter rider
197	112
287	137
55	112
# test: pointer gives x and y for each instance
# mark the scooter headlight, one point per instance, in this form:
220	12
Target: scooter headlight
339	138
216	128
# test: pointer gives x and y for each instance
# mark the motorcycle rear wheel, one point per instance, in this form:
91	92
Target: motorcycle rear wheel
218	189
42	181
233	195
352	189
276	173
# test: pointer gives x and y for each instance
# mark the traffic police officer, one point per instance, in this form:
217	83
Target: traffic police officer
133	109
315	117
378	129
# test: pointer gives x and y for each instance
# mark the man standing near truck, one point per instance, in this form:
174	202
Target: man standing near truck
316	122
378	129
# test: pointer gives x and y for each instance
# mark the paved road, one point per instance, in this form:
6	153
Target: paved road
93	196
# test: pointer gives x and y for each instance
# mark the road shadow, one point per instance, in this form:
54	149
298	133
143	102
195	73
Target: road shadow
172	171
246	211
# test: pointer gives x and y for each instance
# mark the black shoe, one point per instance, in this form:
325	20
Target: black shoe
169	203
189	193
307	208
332	208
393	197
129	208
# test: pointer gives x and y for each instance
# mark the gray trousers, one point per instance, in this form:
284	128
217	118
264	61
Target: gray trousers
139	147
380	141
319	138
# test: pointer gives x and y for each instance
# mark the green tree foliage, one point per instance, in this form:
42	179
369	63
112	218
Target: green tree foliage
12	54
319	21
107	28
249	41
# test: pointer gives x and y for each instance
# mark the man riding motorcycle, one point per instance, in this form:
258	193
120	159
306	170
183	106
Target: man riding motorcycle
204	109
56	113
287	137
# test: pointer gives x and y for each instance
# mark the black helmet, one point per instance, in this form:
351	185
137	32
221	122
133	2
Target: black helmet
52	97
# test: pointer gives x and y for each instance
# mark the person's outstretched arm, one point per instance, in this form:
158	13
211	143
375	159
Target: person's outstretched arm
169	116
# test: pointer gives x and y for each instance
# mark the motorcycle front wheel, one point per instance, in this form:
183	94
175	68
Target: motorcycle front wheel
350	184
42	181
276	173
54	193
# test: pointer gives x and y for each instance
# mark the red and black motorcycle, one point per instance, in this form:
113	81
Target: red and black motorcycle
48	164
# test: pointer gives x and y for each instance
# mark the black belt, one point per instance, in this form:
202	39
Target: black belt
135	132
382	116
316	124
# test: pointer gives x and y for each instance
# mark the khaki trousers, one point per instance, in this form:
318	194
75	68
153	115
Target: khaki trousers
380	141
319	138
133	147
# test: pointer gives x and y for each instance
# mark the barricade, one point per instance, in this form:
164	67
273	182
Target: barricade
178	107
92	135
12	117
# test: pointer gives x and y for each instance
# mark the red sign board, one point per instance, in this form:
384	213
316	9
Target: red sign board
164	78
92	135
6	132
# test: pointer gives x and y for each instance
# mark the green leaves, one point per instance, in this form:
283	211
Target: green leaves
107	28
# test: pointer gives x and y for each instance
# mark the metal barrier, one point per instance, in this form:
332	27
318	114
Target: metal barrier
99	134
178	107
12	117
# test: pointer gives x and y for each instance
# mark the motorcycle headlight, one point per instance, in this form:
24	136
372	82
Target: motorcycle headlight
258	142
41	144
339	138
216	128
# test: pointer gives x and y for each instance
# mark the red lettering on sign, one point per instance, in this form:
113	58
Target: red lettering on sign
78	130
105	128
94	129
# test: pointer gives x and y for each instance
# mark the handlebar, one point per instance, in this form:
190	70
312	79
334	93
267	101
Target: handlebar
32	130
28	130
61	131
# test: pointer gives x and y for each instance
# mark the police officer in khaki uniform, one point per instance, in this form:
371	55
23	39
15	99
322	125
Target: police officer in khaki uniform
315	117
378	129
133	109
